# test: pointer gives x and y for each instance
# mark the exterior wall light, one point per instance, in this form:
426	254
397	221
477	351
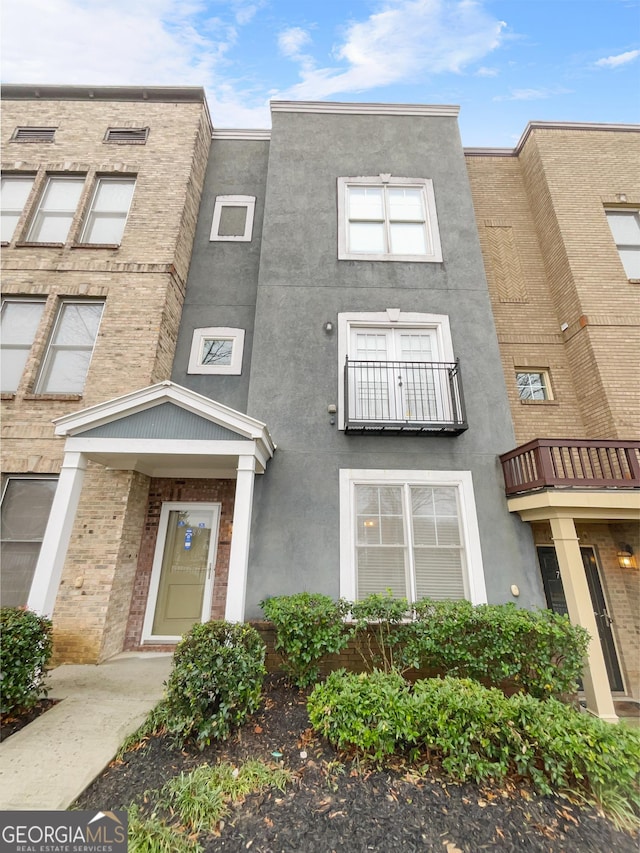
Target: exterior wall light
626	557
328	327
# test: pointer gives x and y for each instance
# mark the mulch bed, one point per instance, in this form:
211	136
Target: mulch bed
12	723
341	805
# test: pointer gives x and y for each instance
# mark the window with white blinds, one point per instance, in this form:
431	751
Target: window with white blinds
413	532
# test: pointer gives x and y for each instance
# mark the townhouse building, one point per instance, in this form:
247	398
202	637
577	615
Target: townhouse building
100	190
559	225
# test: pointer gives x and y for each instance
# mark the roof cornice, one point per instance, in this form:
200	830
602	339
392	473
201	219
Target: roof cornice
364	108
169	94
249	134
550	125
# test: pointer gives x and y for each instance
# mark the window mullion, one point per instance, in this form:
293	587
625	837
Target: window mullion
387	223
408	532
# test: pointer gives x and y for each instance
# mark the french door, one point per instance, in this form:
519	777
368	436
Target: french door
557	602
183	570
396	376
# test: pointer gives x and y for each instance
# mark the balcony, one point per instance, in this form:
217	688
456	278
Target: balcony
589	463
403	397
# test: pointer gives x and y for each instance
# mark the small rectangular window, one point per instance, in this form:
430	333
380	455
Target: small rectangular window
20	321
233	218
26	504
216	349
108	212
68	355
533	385
33	134
56	210
625	227
127	135
15	192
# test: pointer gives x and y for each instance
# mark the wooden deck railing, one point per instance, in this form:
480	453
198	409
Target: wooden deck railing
591	463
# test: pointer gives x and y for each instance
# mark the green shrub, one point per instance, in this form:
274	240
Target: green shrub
372	712
539	651
480	734
308	627
216	681
153	835
26	651
378	628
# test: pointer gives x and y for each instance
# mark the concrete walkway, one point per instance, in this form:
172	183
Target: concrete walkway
51	761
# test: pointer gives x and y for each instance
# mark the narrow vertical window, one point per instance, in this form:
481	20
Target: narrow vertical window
15	192
66	362
625	227
56	210
20	320
108	212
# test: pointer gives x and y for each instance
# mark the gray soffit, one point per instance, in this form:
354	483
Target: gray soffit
165	421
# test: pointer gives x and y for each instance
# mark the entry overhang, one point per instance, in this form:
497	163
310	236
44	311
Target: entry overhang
594	505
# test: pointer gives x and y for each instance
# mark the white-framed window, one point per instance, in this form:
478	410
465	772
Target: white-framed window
396	367
20	321
533	384
56	210
108	212
625	227
216	349
413	532
26	504
385	218
66	362
15	192
233	218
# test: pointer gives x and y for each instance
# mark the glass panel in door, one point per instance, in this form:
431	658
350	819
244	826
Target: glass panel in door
372	388
186	565
419	380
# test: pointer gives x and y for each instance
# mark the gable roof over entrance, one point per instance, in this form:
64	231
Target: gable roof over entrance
166	430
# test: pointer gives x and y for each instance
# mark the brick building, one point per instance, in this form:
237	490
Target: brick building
101	188
559	224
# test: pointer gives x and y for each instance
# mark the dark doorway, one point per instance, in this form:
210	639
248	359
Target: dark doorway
557	602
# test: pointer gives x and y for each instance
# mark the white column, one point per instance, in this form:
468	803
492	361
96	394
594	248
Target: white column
580	607
46	578
239	556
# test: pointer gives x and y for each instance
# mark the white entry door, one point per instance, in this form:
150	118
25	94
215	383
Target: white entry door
396	375
183	570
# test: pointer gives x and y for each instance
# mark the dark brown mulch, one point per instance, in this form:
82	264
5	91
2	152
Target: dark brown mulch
12	723
339	804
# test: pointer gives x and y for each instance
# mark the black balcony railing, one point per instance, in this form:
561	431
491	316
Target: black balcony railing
571	462
404	396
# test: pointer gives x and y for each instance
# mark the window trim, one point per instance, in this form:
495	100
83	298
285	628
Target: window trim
546	382
431	218
474	582
99	179
392	318
222	333
39	391
248	201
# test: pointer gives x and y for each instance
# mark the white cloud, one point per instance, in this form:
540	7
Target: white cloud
405	39
291	41
618	59
532	94
483	71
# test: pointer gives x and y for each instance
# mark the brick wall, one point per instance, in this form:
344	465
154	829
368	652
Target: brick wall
162	490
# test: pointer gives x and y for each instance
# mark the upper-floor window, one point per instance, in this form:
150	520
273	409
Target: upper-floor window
56	210
216	349
533	385
233	218
387	219
625	227
15	192
108	211
66	362
20	321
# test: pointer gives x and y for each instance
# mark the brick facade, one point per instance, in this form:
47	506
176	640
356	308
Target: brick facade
142	285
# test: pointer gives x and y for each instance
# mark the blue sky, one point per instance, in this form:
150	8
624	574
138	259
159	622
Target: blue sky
505	62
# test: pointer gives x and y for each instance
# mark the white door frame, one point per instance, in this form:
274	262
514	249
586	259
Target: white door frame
154	586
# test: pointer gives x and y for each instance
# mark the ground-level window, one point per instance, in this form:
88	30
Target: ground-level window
26	503
412	532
